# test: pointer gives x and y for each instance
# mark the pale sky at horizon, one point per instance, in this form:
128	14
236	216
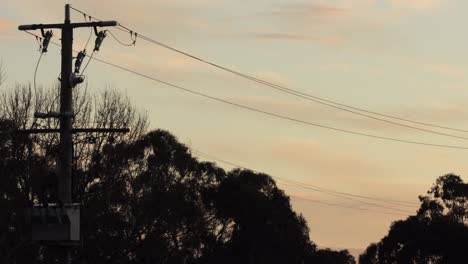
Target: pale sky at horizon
404	58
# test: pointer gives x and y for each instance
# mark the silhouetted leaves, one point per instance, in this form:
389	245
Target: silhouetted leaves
437	234
145	198
327	256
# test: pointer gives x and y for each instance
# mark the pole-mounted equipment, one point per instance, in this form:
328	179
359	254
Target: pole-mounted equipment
59	222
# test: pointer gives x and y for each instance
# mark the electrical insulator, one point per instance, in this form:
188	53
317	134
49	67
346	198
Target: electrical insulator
45	43
79	60
76	79
100	37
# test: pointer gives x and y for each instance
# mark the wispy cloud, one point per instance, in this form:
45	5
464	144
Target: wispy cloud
417	4
307	10
446	69
312	156
282	36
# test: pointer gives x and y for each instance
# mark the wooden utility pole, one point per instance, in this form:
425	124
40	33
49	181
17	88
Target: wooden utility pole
66	113
66	105
68	79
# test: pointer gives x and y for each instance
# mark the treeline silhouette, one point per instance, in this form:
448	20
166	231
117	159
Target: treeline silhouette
146	199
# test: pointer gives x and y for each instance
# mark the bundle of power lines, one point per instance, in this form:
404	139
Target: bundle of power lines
390	206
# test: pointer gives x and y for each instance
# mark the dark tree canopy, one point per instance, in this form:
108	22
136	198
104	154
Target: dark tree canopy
145	198
437	234
328	256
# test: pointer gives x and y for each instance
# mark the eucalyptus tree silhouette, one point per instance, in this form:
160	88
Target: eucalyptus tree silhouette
438	233
145	198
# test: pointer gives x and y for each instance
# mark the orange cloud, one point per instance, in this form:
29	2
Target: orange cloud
6	24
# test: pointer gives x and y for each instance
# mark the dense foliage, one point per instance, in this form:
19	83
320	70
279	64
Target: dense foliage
437	234
145	198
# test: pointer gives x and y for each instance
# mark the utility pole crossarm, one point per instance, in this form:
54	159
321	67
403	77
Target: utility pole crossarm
72	25
39	26
94	24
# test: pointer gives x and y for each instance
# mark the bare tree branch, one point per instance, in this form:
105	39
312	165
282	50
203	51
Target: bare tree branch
2	73
108	109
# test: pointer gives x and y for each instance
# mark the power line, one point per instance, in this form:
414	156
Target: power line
35	74
346	207
398	202
319	100
274	114
316	99
349	198
322	190
317	201
121	42
89	38
395	202
90	33
253	109
279	116
87	63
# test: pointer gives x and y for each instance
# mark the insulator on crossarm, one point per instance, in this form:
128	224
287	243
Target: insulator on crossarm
79	60
99	39
45	43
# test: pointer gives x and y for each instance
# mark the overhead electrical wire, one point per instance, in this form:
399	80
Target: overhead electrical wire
89	38
300	94
43	46
279	116
274	114
90	57
261	111
121	42
316	99
395	202
332	193
319	100
38	38
315	188
350	198
346	207
35	74
35	88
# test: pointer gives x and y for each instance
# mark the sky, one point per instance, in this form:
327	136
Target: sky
403	58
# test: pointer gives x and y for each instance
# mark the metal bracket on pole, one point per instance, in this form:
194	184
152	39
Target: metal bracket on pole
53	115
76	79
47	115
